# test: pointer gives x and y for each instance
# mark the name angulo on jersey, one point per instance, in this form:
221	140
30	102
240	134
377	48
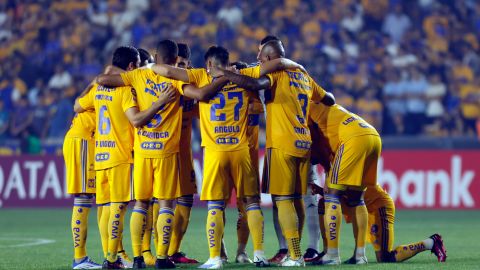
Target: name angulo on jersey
227	140
151	145
153	88
305	145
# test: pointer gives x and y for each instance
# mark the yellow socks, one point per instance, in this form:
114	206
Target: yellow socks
288	221
255	224
214	227
300	209
147	234
242	227
155	209
81	208
164	229
406	252
182	218
137	229
115	229
321	221
360	225
104	212
333	220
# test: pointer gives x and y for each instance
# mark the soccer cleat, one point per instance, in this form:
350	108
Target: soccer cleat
242	257
327	260
180	257
354	260
281	254
139	263
212	263
289	262
438	248
127	263
224	259
113	265
311	255
260	260
164	264
86	263
149	258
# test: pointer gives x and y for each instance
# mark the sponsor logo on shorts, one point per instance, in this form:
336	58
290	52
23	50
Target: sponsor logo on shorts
152	145
102	156
227	140
302	144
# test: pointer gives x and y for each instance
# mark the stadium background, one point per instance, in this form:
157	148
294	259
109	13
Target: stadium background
410	68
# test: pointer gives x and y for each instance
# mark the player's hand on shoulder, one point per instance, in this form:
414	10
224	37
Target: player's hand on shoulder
168	95
113	70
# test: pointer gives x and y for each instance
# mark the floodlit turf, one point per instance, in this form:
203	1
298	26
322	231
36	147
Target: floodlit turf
21	228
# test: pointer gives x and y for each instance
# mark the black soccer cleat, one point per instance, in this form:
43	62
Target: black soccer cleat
139	263
164	264
112	265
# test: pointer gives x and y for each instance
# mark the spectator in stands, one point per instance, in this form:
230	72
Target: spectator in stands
61	78
415	92
470	105
230	13
4	120
61	115
370	108
396	23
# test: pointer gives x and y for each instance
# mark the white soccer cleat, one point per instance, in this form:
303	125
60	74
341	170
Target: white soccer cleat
212	263
243	258
359	260
127	263
289	262
260	260
328	260
86	263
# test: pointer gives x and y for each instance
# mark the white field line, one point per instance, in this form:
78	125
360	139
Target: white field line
29	241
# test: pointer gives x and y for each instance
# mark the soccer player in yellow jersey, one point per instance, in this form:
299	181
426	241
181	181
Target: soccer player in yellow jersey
78	152
116	109
287	161
157	149
335	126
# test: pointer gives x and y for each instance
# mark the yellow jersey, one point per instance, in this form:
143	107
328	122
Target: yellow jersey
223	119
288	105
338	124
114	134
161	136
83	125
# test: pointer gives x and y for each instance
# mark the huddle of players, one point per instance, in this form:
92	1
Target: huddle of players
152	100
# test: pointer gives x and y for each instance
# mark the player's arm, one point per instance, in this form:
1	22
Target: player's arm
245	82
206	92
179	74
111	77
279	64
77	107
141	118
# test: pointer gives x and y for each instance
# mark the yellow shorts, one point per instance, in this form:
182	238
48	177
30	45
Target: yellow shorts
188	184
284	174
355	163
115	184
157	177
223	170
79	164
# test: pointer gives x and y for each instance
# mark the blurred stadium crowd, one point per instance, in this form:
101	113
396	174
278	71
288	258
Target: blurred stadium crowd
408	67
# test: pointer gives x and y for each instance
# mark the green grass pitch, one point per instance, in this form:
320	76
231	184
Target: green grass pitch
460	230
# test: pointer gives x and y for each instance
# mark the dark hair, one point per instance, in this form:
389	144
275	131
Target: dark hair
125	55
268	38
167	50
218	53
239	64
276	46
144	56
183	50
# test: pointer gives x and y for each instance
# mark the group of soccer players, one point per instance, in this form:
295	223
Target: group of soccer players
131	141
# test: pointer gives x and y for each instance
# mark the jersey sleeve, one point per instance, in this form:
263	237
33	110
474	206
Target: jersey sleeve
253	72
179	85
318	92
87	101
129	99
195	75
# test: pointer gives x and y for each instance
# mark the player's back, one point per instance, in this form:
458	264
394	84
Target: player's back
338	124
83	125
114	135
287	105
161	136
223	119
